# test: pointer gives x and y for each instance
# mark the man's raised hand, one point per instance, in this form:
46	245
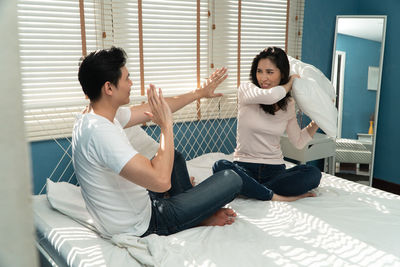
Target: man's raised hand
160	111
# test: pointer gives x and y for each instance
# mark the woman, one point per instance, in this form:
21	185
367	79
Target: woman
265	111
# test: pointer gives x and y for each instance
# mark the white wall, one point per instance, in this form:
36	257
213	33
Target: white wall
16	223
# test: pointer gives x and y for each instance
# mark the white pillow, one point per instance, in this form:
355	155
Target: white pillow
141	141
67	199
315	95
201	167
310	72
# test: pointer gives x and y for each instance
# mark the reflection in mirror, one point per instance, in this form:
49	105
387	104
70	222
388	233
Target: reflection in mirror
356	74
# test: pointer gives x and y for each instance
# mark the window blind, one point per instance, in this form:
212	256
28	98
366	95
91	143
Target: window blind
125	32
103	23
262	24
169	45
50	44
50	49
295	28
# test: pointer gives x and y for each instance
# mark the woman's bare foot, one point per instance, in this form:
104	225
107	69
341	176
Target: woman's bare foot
192	181
277	197
222	217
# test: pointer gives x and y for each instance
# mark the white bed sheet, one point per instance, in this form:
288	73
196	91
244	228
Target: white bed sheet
347	224
71	244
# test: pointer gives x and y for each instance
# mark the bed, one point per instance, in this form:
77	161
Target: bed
347	224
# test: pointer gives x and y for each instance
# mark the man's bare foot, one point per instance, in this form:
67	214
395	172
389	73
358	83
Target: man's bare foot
222	217
277	197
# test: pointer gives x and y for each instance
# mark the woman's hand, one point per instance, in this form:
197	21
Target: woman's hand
289	84
160	111
312	128
294	76
209	86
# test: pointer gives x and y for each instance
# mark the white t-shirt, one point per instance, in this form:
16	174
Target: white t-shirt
258	133
100	149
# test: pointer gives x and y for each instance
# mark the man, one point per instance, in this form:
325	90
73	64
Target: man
116	180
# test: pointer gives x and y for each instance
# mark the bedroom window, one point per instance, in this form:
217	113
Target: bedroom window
243	29
175	45
50	47
165	52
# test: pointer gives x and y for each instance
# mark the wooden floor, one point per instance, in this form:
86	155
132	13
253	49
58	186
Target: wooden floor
354	172
360	173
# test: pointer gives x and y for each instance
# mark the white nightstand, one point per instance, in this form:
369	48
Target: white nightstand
320	147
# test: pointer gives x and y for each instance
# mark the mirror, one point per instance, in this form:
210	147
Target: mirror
356	75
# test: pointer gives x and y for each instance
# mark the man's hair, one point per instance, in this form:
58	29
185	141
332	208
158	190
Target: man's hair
280	59
99	67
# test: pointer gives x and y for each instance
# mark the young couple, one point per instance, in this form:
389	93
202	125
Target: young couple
122	188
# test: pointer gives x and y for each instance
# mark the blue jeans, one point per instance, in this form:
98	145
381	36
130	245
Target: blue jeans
185	206
273	178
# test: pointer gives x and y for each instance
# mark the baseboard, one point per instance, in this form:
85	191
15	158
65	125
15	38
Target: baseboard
386	186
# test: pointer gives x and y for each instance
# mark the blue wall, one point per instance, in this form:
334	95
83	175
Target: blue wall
318	38
51	159
319	30
358	102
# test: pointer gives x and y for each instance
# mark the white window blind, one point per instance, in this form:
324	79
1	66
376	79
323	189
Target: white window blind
50	44
125	33
262	24
169	45
103	23
225	41
50	49
295	28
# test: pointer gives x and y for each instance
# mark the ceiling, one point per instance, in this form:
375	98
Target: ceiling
367	28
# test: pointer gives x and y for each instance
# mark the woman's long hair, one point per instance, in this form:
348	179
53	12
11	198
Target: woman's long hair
280	59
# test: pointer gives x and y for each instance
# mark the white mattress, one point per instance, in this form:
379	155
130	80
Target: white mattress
71	244
346	224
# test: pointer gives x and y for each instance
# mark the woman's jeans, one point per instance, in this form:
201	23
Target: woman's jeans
187	206
265	179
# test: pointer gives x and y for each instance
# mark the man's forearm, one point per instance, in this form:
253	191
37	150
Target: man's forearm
177	102
164	159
